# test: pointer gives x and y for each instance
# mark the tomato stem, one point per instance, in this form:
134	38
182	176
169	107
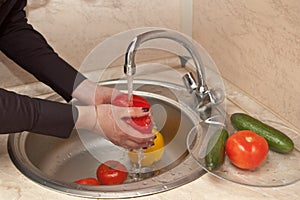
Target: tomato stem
249	139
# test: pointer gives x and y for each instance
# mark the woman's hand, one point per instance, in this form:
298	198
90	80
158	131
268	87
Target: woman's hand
109	121
91	93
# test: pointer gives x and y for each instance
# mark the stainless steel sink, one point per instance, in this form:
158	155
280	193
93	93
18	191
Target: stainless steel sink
57	163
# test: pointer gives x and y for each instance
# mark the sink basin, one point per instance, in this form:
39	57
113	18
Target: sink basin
57	163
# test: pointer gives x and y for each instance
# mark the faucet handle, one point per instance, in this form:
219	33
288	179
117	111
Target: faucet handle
211	97
217	96
205	98
189	82
207	101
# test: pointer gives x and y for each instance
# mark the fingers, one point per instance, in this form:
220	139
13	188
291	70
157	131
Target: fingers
128	112
133	134
129	138
131	145
117	130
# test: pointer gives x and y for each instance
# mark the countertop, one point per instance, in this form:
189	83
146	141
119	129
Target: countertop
14	185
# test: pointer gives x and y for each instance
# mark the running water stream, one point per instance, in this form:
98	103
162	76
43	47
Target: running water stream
130	88
137	168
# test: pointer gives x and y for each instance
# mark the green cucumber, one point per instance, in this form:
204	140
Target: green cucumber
277	140
216	150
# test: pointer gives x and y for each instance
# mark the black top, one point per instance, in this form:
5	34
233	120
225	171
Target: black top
28	48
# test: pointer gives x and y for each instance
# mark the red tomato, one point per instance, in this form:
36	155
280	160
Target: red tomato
111	172
246	150
88	181
142	124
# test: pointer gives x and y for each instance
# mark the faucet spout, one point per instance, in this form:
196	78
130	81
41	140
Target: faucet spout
204	96
130	67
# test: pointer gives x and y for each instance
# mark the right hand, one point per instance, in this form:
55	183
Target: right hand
109	121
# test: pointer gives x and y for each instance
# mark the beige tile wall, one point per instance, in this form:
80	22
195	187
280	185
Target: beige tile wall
74	28
256	46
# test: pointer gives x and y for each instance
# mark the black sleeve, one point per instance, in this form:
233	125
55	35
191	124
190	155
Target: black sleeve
29	49
23	113
25	46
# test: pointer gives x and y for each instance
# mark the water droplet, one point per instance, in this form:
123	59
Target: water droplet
138	193
163	181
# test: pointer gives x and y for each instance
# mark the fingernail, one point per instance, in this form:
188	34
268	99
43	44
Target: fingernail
145	109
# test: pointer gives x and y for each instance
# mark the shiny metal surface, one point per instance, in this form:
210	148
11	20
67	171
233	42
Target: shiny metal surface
206	98
130	67
57	163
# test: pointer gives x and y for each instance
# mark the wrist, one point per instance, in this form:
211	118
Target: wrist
85	92
87	117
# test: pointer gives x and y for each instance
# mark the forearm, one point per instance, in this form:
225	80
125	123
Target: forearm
29	49
22	113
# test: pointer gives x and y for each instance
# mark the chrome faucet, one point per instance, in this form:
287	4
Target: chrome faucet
205	98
